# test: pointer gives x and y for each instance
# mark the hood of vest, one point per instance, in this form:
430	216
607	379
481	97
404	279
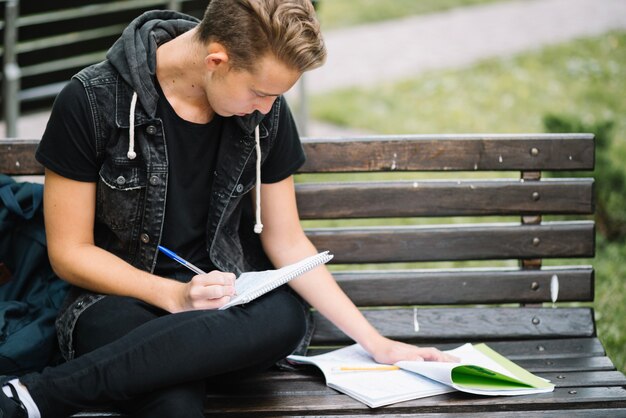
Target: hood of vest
133	55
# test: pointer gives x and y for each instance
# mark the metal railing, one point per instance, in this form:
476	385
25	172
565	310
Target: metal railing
10	69
12	73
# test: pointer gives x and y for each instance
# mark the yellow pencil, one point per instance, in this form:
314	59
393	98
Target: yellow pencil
368	368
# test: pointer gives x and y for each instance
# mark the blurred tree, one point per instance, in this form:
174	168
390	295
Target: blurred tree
610	174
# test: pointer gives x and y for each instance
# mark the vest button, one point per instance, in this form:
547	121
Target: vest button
155	180
120	180
151	130
239	188
145	238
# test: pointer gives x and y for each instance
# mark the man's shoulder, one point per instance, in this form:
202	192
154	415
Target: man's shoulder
97	74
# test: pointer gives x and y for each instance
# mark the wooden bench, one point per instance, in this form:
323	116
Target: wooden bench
401	234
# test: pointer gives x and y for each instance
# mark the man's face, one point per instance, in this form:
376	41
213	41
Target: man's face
238	92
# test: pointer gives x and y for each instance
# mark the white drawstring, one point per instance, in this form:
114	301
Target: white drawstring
131	130
258	226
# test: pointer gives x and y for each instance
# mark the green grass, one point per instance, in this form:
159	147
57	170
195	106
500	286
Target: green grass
585	78
341	13
610	301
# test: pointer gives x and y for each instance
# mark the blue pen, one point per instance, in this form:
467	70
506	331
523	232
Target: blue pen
173	256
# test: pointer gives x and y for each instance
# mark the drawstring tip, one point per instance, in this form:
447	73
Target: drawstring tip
131	155
258	228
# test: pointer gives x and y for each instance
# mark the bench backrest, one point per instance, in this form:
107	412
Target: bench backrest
461	226
490	212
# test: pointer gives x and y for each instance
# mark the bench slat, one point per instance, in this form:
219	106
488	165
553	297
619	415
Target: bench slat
444	198
447	153
285	403
529	349
577	413
442	243
549	348
585	379
17	157
464	286
312	383
467	324
450	153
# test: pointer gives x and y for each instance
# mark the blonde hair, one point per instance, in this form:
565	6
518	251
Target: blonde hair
250	29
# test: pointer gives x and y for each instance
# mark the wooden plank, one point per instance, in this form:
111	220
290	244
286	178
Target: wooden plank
318	158
450	153
17	157
327	404
310	381
547	350
578	413
456	242
585	379
444	198
567	364
464	286
428	325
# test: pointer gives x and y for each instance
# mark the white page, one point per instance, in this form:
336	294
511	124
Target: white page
374	388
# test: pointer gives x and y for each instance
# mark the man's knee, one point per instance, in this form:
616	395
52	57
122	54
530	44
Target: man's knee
284	321
179	401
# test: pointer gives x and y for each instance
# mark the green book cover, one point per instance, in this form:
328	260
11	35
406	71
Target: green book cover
477	377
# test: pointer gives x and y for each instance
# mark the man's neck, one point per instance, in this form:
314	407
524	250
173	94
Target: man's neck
180	73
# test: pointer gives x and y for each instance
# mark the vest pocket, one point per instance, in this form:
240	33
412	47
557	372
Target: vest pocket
119	201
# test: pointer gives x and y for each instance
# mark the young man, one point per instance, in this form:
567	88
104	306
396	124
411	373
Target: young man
159	145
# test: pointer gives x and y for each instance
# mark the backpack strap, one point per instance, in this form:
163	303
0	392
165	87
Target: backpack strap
12	196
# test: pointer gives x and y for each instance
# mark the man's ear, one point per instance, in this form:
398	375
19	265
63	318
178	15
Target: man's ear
216	57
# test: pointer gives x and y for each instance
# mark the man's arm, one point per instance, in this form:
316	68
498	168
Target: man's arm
284	242
69	209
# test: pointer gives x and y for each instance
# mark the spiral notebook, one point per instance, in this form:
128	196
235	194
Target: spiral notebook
251	285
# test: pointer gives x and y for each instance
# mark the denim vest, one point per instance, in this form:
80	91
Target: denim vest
131	194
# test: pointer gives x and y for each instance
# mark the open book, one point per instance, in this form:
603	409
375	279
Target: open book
481	371
251	285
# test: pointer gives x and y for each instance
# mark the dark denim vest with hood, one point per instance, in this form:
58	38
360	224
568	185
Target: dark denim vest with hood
132	156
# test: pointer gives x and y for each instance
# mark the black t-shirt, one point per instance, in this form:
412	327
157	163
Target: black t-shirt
68	148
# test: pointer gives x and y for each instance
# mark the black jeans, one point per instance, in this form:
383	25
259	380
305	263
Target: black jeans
151	363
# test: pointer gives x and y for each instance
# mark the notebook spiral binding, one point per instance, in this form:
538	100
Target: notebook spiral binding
292	272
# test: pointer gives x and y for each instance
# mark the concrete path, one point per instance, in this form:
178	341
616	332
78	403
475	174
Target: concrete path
404	48
365	55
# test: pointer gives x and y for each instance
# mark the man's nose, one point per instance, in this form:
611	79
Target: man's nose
264	104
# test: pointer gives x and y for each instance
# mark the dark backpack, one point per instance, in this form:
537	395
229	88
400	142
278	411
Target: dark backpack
30	293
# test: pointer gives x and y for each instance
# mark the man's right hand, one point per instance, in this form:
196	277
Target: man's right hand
206	291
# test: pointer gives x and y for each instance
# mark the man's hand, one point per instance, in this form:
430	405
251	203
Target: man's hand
205	291
389	352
